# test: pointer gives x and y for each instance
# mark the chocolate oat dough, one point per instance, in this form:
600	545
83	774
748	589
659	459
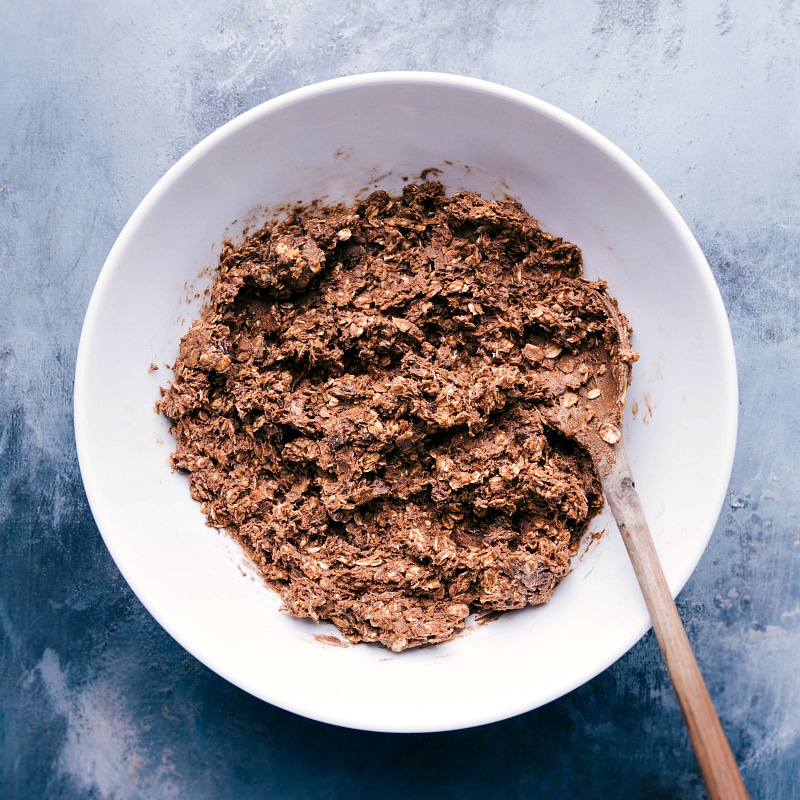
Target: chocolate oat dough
364	405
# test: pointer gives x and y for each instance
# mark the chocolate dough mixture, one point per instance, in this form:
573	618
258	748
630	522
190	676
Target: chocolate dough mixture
364	405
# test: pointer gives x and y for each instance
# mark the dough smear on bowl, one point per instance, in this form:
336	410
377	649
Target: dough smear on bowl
367	401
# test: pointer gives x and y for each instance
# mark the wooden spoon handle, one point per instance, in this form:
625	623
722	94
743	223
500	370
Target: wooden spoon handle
711	747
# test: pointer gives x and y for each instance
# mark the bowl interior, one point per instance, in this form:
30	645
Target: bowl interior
335	141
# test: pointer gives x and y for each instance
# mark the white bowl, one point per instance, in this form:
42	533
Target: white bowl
334	140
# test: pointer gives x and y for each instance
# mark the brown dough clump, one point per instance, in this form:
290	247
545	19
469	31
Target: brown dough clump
363	404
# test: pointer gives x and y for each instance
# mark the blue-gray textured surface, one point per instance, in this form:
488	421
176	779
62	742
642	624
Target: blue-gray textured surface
97	100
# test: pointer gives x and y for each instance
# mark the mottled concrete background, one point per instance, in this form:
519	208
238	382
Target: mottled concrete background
97	100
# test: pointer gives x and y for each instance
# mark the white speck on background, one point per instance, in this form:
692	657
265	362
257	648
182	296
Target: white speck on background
102	752
780	738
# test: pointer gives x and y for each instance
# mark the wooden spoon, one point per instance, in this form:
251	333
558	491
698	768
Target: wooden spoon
593	417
